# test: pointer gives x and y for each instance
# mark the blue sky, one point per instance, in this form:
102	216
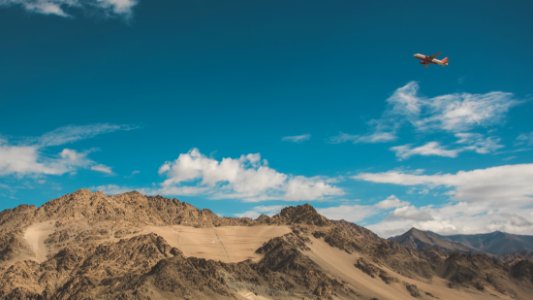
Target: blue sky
247	106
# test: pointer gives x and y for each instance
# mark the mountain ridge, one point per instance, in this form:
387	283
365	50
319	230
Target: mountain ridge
88	245
496	243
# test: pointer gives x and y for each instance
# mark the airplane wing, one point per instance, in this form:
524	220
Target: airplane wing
435	55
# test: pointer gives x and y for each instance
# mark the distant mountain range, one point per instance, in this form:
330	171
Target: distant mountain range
495	243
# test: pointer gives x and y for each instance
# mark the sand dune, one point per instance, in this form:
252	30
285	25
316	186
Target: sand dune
35	235
224	243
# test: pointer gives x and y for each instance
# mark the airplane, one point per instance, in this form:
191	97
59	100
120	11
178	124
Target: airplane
426	60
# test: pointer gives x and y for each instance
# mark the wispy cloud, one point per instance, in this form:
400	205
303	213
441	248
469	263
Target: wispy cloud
297	138
372	138
525	139
478	143
66	8
255	212
452	113
429	149
457	112
28	158
70	134
473	142
102	169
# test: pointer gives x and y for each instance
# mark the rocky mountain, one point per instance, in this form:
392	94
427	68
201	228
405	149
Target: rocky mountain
425	240
89	245
495	243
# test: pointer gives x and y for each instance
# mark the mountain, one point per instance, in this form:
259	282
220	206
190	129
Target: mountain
425	240
89	245
496	243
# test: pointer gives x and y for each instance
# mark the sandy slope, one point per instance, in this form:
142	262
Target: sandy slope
251	296
341	265
35	235
224	243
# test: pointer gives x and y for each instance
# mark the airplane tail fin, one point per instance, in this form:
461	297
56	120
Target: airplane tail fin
445	60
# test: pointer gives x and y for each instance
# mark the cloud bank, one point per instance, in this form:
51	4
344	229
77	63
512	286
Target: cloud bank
482	200
500	185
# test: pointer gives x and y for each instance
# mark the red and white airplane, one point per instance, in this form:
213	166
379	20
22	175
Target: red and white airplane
426	60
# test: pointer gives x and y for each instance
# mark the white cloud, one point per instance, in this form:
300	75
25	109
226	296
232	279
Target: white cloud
466	141
474	142
64	7
502	185
21	160
102	169
457	218
525	139
478	143
391	202
113	189
247	178
70	134
268	210
297	138
29	158
352	213
458	112
428	149
376	137
359	212
309	188
450	218
452	112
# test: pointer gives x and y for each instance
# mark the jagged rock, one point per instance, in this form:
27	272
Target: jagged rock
367	267
523	270
413	290
303	214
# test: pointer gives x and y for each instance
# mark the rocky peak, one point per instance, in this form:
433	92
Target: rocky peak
302	214
133	207
422	240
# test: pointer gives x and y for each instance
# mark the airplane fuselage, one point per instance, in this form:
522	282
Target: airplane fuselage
426	60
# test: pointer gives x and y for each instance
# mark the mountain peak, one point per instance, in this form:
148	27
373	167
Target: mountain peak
132	207
414	230
301	214
420	240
